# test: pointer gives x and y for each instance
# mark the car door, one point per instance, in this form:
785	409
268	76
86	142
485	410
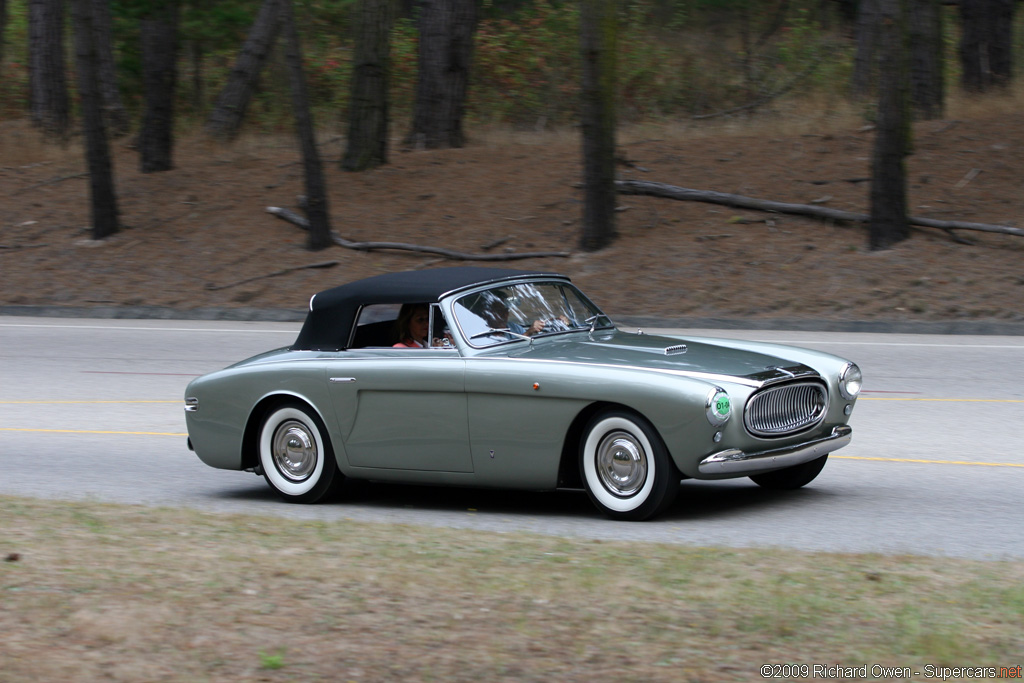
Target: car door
403	409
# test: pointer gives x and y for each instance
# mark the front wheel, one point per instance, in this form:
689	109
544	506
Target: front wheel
792	477
625	466
297	460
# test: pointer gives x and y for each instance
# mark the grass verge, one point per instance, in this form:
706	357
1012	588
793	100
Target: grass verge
92	591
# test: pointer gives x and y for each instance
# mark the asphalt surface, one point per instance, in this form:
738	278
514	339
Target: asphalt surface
92	409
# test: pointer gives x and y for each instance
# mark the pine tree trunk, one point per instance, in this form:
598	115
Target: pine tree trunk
976	75
368	106
446	30
101	179
598	48
865	60
986	43
3	27
927	89
48	89
316	194
1001	46
159	34
228	112
113	107
889	223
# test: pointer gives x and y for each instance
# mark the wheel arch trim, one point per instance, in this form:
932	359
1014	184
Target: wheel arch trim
260	410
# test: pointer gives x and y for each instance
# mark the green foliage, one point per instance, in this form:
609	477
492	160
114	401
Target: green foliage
675	58
271	662
14	68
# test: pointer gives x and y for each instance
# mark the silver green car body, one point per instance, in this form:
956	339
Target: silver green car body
513	414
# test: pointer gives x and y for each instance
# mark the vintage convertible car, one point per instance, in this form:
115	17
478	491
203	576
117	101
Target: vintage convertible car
521	382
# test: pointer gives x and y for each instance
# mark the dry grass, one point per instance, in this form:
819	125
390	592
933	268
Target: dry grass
123	593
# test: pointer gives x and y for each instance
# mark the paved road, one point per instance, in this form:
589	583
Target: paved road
91	409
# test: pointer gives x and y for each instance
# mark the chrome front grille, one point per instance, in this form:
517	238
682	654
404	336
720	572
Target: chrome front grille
786	409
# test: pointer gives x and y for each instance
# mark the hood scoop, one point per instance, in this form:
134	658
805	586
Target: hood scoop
675	350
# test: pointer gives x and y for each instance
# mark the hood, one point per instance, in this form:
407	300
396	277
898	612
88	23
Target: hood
665	353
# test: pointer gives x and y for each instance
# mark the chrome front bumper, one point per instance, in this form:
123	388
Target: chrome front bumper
736	462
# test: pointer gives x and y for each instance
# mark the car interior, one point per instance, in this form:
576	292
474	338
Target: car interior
377	326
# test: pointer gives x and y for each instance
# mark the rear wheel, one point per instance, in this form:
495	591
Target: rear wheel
296	458
791	477
625	466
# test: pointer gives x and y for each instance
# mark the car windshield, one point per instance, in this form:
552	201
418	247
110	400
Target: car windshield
524	311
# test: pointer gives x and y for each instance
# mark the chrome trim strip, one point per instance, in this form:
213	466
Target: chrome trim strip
191	404
736	462
678	348
485	284
708	376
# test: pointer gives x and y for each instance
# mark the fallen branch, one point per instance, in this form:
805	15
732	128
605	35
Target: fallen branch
496	243
17	247
971	175
296	219
643	187
323	264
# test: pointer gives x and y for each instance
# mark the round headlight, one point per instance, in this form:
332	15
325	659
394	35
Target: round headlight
719	406
850	380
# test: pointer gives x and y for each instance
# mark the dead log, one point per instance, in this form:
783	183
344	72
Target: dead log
325	264
296	219
644	187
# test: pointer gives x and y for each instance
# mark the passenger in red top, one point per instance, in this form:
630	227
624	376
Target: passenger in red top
413	326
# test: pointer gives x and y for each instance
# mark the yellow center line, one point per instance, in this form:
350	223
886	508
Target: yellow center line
929	462
89	431
47	401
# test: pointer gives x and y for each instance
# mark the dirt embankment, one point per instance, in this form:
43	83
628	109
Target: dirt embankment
198	237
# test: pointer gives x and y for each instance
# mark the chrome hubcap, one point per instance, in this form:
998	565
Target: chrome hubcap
294	450
621	463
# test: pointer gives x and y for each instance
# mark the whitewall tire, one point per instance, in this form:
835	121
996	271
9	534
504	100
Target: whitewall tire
625	466
296	458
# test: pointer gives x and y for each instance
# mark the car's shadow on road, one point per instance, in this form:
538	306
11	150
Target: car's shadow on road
697	500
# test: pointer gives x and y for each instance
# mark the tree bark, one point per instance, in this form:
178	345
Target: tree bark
228	112
865	60
3	27
159	33
368	105
104	202
986	43
113	107
598	48
316	194
446	30
892	134
48	89
927	66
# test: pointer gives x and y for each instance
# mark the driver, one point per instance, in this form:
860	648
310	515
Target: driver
495	313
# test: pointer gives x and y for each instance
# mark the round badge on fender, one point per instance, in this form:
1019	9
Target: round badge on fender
719	406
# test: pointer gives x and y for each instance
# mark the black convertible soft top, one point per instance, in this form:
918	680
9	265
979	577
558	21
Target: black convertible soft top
332	312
